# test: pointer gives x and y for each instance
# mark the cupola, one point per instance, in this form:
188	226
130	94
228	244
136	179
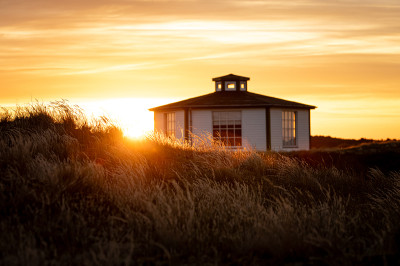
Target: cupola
230	82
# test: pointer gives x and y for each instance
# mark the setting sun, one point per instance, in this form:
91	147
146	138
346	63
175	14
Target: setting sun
129	114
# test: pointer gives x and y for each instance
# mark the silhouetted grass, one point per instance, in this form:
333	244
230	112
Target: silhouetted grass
77	192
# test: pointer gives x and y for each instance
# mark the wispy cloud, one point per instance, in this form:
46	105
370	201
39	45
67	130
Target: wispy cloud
115	68
297	47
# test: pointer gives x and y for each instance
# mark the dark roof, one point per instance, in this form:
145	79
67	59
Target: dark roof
230	77
232	99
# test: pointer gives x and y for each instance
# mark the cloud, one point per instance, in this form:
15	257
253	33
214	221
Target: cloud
73	11
115	68
98	36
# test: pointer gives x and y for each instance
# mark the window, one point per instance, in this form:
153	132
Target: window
289	128
170	124
218	86
243	86
230	85
227	128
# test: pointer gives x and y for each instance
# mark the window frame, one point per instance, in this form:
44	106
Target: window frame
289	129
243	86
218	86
228	83
227	129
170	124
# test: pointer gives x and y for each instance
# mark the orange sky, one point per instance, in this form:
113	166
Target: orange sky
342	56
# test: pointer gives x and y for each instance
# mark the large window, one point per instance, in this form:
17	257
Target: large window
170	124
289	128
227	128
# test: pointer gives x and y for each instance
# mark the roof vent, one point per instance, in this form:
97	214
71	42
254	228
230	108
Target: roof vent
230	82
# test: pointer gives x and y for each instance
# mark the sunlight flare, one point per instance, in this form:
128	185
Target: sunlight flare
130	114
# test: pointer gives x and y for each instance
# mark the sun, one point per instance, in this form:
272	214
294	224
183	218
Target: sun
129	114
135	133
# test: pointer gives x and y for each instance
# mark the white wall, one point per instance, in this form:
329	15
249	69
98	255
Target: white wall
159	123
254	129
201	125
303	130
276	129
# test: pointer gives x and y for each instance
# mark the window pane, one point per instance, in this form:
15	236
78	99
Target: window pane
227	125
170	124
289	128
238	132
230	85
223	133
230	133
238	141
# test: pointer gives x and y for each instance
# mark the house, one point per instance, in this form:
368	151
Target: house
238	118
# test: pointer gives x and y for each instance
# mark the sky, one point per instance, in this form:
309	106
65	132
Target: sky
341	56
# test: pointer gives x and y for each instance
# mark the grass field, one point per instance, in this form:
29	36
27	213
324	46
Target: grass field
74	192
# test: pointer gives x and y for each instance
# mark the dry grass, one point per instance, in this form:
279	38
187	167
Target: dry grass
74	192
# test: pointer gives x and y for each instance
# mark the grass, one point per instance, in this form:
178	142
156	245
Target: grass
78	192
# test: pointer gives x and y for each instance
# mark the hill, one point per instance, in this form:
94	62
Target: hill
75	192
326	142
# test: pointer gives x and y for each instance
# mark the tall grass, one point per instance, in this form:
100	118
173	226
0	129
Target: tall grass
77	192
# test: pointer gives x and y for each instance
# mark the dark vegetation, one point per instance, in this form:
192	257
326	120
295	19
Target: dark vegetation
382	155
326	142
78	193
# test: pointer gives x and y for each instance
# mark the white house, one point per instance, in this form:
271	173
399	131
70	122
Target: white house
238	118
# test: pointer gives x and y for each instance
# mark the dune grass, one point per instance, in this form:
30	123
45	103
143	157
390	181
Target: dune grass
77	192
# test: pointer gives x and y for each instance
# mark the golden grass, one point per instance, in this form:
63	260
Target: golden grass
74	192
